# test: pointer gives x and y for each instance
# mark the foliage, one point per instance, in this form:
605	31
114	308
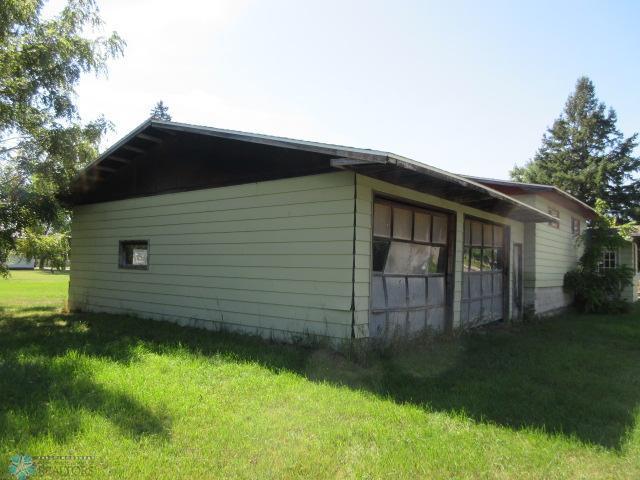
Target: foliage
597	289
51	249
43	142
160	112
586	155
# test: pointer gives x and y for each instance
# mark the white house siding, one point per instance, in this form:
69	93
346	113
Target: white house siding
627	255
273	258
549	253
15	262
366	188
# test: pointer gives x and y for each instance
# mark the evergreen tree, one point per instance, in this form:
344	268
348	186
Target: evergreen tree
586	155
160	112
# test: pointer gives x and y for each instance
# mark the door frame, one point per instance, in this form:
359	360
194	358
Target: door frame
518	278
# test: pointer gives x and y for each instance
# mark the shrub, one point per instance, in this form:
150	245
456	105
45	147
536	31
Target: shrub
595	289
599	292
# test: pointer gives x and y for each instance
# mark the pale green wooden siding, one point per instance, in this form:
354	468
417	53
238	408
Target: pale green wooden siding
366	187
273	258
550	253
627	256
557	249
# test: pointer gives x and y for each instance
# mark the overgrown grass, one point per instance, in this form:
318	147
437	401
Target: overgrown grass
555	399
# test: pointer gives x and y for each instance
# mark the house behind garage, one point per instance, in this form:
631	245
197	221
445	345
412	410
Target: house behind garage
286	238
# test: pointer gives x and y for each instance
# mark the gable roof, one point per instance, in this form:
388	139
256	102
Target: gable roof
520	188
374	163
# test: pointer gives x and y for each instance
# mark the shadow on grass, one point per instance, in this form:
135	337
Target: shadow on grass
38	309
576	376
44	389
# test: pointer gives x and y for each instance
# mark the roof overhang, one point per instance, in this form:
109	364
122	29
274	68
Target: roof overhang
554	193
377	164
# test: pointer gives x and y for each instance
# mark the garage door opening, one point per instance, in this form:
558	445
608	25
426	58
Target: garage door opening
410	269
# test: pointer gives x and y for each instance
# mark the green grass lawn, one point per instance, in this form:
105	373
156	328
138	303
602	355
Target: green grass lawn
41	290
554	399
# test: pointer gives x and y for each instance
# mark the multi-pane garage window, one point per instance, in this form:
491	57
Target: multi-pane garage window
483	247
409	265
483	267
409	242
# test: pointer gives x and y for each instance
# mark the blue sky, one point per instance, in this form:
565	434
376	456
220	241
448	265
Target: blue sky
465	86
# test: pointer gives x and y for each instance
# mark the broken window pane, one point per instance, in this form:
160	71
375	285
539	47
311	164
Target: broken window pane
402	223
438	260
399	258
381	220
408	259
380	250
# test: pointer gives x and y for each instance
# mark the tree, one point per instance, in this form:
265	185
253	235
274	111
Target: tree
46	248
586	155
43	142
160	112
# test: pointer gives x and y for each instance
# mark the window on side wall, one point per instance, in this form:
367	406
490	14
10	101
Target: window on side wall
575	226
554	213
134	254
609	260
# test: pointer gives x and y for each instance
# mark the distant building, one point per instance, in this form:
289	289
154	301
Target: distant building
15	262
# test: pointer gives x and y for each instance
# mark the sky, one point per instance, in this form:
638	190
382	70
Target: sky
469	87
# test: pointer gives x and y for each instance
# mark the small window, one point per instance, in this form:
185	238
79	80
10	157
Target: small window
554	213
609	260
134	254
575	226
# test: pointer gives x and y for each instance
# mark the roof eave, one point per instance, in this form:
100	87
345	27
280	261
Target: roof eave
362	156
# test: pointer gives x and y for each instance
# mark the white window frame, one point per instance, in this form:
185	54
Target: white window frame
608	257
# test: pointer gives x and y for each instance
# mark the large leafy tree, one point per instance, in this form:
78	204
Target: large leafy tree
585	154
43	141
